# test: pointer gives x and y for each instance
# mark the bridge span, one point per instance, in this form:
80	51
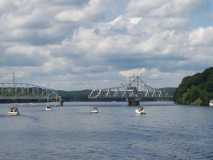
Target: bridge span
24	92
134	91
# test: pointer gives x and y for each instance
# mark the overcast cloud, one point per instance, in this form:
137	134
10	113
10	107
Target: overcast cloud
78	44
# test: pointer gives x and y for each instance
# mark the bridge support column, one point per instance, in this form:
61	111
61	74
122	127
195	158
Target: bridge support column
61	103
132	101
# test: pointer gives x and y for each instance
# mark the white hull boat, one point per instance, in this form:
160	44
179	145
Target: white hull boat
211	103
48	108
13	113
94	110
138	111
54	104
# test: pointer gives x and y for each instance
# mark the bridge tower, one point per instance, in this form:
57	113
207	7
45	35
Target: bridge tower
133	100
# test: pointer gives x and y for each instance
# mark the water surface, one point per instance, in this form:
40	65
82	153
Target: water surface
166	132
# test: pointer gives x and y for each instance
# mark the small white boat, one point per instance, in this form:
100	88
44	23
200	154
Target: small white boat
94	110
48	108
140	111
54	104
211	103
13	111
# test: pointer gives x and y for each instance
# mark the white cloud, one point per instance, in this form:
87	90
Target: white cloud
156	77
201	36
72	41
89	12
98	42
133	72
161	7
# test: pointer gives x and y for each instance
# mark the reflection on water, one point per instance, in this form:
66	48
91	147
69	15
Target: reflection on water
167	131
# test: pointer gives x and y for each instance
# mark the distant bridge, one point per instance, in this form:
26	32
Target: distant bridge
26	92
134	91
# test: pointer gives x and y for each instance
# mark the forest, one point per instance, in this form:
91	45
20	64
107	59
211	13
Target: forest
196	89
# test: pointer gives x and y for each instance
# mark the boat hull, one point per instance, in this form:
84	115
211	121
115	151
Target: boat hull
139	112
94	111
48	109
13	113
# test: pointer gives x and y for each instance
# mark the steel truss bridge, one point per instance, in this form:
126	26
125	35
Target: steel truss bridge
27	92
136	88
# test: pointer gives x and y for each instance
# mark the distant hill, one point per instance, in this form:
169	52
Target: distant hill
196	89
82	95
168	91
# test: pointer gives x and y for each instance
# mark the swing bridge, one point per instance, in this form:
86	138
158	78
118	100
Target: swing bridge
134	91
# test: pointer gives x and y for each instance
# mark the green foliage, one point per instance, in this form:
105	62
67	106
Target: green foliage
74	95
197	102
196	89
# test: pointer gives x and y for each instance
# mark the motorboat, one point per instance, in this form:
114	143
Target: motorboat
48	108
211	103
140	110
13	111
54	104
94	110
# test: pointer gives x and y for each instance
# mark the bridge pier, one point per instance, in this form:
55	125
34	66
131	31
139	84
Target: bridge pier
132	101
61	103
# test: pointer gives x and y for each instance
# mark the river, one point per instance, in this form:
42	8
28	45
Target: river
166	132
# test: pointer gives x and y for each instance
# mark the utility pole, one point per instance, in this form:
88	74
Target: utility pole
13	78
14	83
137	81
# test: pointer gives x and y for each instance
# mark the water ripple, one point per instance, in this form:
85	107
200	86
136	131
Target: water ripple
167	132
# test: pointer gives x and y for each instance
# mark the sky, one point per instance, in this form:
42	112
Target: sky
81	44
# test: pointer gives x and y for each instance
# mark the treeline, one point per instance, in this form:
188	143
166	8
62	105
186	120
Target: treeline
81	95
196	89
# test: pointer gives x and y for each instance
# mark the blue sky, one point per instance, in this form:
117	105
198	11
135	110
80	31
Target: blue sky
78	44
